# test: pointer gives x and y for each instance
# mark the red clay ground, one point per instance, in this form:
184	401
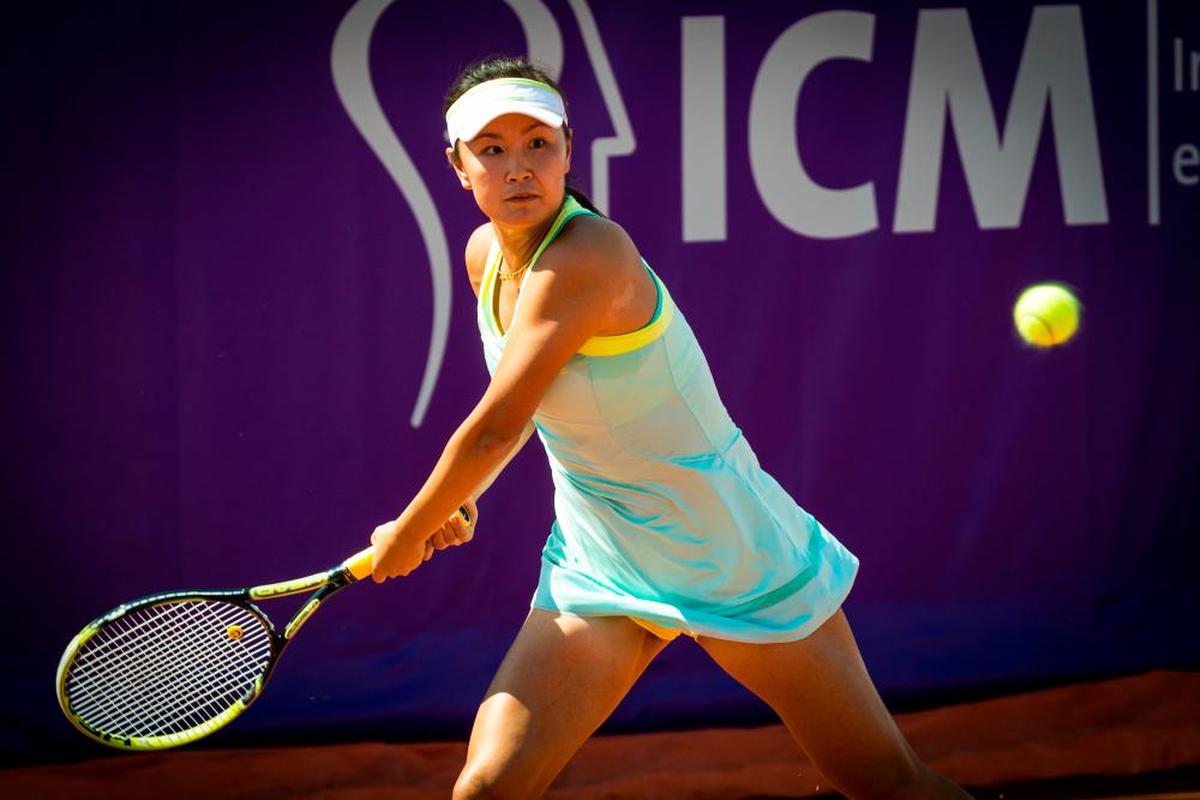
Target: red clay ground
1124	727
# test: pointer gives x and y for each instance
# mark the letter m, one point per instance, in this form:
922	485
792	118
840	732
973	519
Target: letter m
947	75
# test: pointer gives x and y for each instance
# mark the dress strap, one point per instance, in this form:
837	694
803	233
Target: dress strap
491	270
570	209
487	285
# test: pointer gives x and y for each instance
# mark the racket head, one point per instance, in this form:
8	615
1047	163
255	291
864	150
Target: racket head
167	669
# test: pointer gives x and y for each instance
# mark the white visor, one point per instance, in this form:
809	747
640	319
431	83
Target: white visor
483	102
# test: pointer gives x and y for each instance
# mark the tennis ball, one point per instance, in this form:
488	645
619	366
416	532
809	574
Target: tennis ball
1046	314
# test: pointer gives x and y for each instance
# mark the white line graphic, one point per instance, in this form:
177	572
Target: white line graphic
542	38
350	63
1152	108
352	79
624	142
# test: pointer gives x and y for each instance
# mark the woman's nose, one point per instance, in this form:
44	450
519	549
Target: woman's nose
518	170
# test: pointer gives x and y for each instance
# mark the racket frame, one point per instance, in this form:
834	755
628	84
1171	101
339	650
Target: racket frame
326	583
352	570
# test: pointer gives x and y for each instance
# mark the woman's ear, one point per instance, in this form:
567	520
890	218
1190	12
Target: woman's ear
463	180
568	153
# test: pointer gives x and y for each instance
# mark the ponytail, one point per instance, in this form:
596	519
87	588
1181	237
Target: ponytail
584	200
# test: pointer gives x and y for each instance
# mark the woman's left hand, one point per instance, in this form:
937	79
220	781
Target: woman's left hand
455	531
394	557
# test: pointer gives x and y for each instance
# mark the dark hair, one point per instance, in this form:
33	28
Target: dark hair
493	67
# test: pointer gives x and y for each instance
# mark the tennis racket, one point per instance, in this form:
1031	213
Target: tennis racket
170	668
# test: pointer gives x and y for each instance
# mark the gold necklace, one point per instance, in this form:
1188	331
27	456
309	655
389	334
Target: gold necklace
516	273
508	276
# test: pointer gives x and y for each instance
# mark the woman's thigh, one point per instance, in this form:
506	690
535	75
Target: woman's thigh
561	678
819	686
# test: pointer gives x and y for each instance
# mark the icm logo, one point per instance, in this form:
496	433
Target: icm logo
947	83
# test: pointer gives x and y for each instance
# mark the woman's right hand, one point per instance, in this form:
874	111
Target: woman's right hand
455	531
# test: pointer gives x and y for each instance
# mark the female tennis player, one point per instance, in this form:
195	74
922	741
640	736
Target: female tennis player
665	523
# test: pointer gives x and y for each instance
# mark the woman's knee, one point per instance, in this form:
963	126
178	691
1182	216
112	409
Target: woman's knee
483	781
476	785
473	785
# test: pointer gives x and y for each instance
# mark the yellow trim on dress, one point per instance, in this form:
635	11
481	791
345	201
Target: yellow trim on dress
487	292
597	346
620	343
661	631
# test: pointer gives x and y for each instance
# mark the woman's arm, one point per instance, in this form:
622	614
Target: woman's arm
568	298
490	479
458	531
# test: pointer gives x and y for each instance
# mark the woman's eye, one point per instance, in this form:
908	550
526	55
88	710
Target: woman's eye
537	141
491	150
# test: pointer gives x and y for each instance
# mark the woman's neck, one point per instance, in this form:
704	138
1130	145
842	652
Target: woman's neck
517	245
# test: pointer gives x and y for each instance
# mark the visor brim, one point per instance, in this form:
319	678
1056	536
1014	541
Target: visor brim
473	127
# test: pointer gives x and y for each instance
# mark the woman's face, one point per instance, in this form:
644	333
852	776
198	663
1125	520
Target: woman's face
516	168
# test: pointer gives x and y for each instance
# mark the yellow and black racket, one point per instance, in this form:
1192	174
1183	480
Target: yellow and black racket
170	668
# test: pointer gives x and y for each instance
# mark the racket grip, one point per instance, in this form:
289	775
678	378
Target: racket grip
359	564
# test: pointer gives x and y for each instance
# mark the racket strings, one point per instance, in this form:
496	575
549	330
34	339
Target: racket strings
89	663
119	632
167	668
146	678
162	691
211	693
192	697
156	684
211	697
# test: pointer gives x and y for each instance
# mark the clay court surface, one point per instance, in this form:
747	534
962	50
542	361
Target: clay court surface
1136	736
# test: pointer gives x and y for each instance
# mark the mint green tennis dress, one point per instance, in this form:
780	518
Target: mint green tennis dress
663	513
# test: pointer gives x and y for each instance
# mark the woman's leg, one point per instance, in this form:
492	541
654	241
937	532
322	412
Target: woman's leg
561	678
819	686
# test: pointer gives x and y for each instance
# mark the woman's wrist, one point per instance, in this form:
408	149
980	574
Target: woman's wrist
409	527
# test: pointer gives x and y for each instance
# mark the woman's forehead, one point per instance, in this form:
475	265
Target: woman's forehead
511	125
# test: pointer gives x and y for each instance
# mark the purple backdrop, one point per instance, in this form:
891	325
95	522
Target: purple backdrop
224	287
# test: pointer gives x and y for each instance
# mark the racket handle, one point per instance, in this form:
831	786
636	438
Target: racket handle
359	564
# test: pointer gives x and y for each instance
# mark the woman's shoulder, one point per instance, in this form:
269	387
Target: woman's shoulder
589	243
595	241
478	246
